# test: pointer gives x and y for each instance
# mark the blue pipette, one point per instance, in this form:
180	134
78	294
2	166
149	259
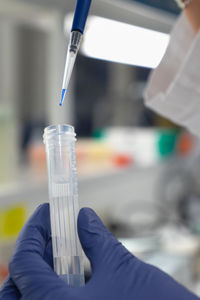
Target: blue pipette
80	17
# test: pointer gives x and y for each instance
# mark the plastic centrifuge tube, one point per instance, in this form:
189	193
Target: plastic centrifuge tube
63	194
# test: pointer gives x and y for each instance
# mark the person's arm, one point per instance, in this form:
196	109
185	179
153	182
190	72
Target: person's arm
192	12
116	273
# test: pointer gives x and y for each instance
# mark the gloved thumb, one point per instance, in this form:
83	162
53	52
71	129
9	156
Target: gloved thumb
100	246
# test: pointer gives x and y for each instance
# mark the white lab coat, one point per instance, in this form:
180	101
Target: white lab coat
173	89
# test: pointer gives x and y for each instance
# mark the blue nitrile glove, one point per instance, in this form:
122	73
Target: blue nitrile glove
117	274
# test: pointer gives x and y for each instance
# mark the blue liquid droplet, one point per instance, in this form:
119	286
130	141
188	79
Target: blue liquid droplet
62	97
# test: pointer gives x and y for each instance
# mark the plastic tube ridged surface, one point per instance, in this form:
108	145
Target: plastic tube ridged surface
63	195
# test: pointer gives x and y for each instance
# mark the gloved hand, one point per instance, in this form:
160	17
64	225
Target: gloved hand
117	274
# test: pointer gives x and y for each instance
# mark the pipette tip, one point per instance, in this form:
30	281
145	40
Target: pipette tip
62	97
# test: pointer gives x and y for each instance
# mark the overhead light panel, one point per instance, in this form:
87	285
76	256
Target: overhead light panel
115	41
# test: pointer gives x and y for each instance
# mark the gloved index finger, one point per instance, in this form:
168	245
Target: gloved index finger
36	232
31	274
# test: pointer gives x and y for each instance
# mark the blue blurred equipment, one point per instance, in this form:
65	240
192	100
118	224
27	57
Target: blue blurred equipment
80	17
116	273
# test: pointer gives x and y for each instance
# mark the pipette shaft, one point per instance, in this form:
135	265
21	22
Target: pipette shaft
80	17
72	51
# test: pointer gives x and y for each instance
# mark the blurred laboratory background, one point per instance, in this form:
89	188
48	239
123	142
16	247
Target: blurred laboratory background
140	172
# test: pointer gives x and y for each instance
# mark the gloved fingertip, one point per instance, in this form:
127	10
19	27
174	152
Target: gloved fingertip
40	216
42	209
89	221
90	228
35	233
86	216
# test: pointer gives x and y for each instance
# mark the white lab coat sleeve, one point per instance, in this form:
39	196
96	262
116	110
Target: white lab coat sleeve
173	89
